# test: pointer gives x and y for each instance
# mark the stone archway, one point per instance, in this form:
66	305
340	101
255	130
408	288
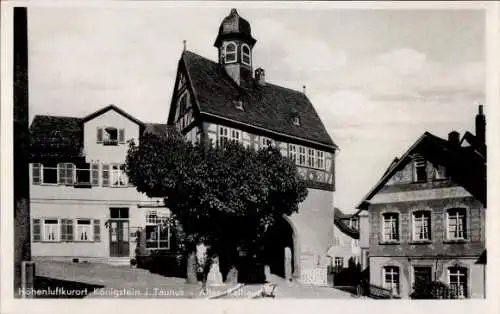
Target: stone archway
280	238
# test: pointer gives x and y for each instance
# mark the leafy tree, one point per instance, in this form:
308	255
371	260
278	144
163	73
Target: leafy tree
228	196
432	290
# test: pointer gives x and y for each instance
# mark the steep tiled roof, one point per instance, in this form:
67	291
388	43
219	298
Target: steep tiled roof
56	138
270	107
464	165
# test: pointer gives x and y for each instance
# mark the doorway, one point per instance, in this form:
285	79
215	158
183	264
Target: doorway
119	245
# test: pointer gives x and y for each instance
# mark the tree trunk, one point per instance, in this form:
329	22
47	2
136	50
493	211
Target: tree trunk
191	268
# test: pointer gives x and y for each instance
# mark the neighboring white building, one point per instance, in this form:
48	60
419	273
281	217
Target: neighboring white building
82	205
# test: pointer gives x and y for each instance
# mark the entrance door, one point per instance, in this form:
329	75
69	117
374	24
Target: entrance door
422	274
119	233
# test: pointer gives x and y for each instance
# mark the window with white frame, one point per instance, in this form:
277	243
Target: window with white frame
230	52
310	157
50	229
223	135
84	230
292	152
66	173
421	225
118	177
391	279
320	160
157	229
88	174
420	171
44	173
390	228
338	241
245	55
457	279
235	135
302	155
456	223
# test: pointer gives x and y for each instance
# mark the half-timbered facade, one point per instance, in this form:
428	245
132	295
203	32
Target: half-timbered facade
226	100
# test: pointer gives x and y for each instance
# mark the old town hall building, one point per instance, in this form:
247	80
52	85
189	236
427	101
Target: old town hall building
228	100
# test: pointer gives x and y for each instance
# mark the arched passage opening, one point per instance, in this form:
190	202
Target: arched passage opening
280	247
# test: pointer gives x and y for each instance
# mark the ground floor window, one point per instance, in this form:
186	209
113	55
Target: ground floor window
422	274
83	230
50	230
339	262
391	279
157	229
457	277
66	230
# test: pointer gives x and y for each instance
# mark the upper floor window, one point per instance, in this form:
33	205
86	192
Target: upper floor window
110	136
420	171
245	54
391	279
157	230
296	120
390	227
310	157
292	152
440	172
421	225
223	135
302	155
320	160
235	135
457	279
44	174
88	175
456	223
114	175
230	52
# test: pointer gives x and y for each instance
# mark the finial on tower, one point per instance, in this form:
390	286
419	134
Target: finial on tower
184	45
233	12
303	89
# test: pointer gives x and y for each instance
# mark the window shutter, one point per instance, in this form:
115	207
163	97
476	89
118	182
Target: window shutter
37	179
63	230
70	173
69	229
105	175
36	230
95	174
97	230
60	173
121	135
99	135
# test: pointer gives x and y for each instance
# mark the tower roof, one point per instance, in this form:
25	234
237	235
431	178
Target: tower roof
234	26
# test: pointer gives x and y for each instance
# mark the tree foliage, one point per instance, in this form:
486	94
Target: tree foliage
432	290
227	196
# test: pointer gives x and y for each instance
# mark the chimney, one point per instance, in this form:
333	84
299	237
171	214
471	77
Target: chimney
481	126
454	138
260	76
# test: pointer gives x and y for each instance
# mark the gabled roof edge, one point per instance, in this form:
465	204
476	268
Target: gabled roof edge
111	107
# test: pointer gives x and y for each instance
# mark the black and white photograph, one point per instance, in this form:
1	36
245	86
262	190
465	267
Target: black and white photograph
249	150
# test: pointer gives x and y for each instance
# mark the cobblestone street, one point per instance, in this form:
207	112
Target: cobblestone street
106	281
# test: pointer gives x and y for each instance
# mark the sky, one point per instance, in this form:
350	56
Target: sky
378	78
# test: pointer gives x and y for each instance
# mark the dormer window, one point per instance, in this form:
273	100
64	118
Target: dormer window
245	55
420	171
239	105
296	120
110	136
230	53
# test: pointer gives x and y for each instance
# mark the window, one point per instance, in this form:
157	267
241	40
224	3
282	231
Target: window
320	160
391	279
230	52
338	241
421	225
302	155
48	173
118	213
83	230
390	227
456	224
94	174
50	230
245	55
266	142
292	152
296	121
110	136
440	172
310	157
457	278
355	243
339	262
118	176
88	175
223	135
235	135
420	169
66	172
157	230
422	274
